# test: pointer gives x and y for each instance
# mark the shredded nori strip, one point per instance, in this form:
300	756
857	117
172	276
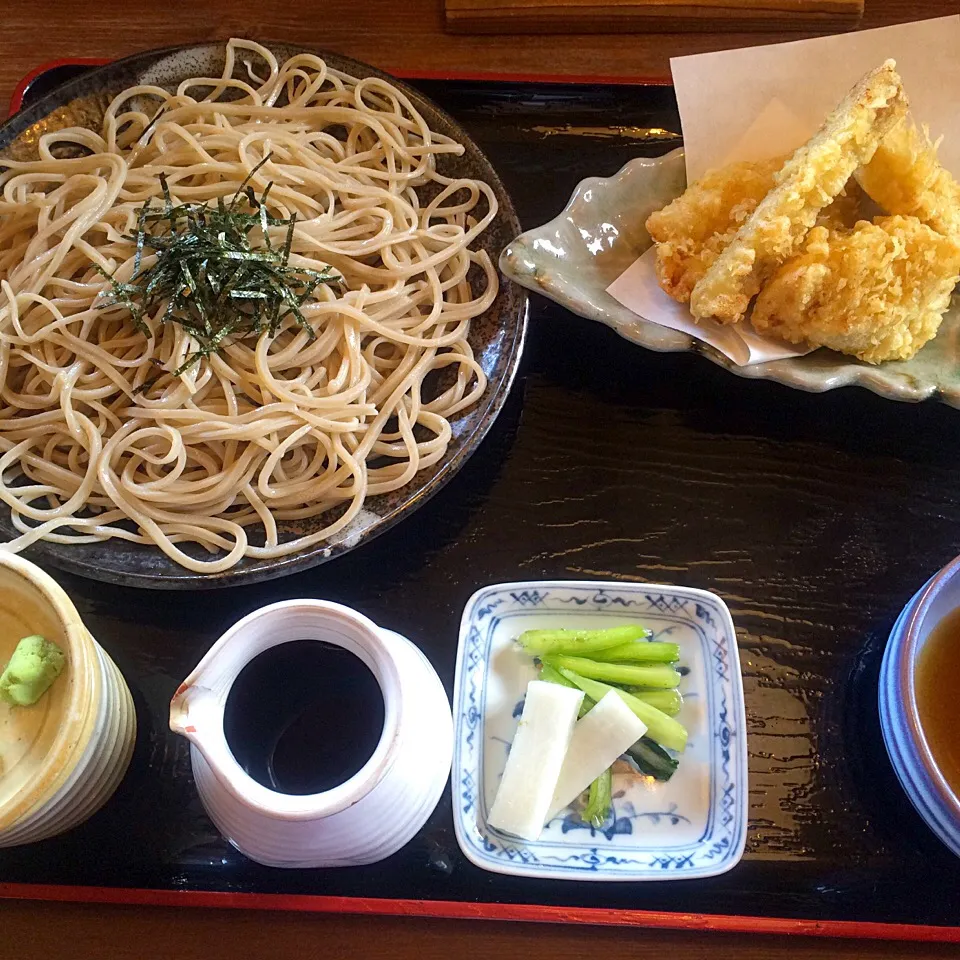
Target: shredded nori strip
208	277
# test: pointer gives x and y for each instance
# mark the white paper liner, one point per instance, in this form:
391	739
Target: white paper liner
761	102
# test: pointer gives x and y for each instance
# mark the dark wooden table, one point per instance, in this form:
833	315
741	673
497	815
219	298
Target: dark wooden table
408	38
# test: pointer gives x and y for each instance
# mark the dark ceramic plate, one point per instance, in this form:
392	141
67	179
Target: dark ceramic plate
496	337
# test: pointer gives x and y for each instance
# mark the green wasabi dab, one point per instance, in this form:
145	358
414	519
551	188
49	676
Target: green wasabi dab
35	664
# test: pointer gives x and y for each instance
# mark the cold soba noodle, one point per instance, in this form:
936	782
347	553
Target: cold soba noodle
109	417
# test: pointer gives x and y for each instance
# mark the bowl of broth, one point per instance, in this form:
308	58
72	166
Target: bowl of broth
919	704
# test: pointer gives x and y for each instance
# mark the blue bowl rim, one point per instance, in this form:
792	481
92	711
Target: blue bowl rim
906	682
902	751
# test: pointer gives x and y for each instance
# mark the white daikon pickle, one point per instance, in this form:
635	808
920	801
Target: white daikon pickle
535	759
599	738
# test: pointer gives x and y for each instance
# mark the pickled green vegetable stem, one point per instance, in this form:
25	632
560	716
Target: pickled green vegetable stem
579	642
549	675
665	730
659	676
669	701
599	800
646	651
552	675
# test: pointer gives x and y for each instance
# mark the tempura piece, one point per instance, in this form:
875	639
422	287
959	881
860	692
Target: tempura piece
808	182
877	293
844	212
906	178
693	230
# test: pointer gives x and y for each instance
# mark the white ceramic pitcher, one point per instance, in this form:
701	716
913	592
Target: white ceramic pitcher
369	816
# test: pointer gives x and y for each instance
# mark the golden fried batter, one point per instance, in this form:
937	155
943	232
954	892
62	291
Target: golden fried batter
905	177
877	293
806	184
692	231
844	212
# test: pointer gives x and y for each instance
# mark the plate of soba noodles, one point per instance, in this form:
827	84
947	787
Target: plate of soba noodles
249	313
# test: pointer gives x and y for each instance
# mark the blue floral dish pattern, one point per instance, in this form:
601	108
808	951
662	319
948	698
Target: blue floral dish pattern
692	826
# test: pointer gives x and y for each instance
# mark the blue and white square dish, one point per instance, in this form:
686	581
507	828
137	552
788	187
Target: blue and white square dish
694	825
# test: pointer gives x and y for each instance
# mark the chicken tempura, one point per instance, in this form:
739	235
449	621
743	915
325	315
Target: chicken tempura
807	183
878	293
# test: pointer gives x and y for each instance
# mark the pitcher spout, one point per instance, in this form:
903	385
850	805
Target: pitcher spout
181	720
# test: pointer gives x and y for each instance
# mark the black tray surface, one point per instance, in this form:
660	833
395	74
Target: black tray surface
816	517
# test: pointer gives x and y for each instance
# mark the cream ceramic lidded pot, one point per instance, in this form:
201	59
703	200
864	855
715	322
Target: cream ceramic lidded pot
62	757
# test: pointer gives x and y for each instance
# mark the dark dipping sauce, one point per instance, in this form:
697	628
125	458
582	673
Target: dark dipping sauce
935	686
303	717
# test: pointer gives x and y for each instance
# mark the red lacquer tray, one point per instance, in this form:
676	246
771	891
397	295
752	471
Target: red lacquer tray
834	848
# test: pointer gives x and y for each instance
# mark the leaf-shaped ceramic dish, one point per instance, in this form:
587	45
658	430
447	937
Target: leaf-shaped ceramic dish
573	259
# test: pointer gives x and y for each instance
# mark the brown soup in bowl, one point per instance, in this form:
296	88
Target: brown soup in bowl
938	700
